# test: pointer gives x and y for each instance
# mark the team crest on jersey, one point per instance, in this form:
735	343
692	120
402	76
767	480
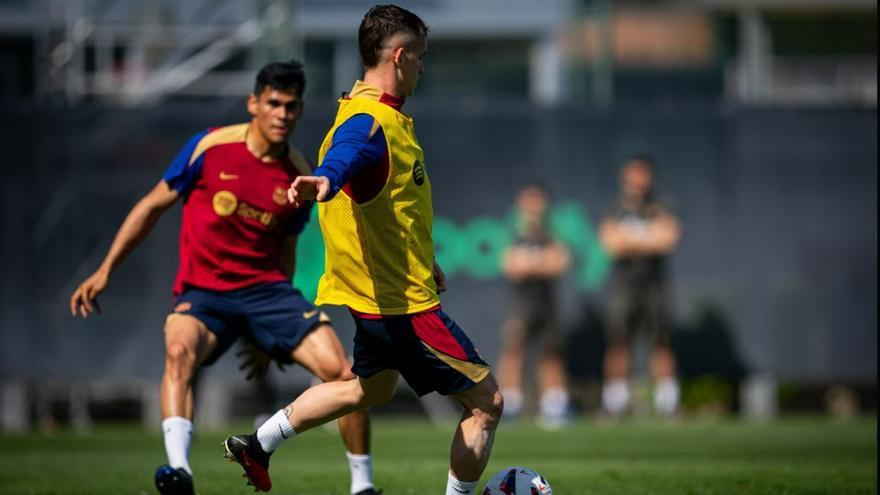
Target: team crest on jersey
224	203
280	196
418	173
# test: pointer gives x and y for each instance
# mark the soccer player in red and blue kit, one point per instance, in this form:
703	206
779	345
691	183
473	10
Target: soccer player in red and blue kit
237	258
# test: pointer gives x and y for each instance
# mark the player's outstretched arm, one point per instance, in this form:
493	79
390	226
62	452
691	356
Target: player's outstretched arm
308	187
135	228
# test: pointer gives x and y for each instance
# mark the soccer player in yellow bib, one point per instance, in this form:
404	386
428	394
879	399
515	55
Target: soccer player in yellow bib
375	211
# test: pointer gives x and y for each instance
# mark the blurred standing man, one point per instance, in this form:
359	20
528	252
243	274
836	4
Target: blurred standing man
533	264
375	209
639	233
237	258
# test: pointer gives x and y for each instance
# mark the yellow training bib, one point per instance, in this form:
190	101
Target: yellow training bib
379	255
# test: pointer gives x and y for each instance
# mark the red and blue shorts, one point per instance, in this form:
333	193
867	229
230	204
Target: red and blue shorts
430	351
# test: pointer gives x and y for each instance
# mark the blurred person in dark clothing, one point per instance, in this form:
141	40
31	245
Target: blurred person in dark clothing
639	233
533	264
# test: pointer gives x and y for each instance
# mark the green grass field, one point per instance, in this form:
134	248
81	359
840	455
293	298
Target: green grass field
793	456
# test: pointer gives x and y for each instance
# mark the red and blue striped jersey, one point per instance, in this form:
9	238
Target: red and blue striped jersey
235	211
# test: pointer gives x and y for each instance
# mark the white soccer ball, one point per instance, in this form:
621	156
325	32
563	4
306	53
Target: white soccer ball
517	481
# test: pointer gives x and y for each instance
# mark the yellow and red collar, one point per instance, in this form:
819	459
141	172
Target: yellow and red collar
362	89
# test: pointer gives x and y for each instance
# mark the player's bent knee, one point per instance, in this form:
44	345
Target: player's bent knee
364	398
486	402
492	408
180	360
336	375
177	352
345	374
339	371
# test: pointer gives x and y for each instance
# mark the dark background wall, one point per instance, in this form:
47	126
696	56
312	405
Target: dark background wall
778	207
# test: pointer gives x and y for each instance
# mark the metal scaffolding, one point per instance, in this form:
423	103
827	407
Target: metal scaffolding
137	53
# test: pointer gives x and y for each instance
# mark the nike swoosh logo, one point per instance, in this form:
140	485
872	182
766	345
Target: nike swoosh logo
459	491
225	176
282	432
309	314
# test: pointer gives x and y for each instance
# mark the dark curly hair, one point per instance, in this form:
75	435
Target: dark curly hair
285	76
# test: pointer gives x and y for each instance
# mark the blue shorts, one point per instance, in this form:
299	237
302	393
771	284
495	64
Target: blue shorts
275	316
430	351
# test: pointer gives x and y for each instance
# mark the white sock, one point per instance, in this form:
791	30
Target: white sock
456	487
361	467
275	431
513	401
178	435
554	403
615	396
666	395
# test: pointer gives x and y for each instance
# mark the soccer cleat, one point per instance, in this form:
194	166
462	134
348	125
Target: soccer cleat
170	481
370	491
246	450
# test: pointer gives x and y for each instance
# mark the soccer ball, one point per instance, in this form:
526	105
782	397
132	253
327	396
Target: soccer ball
517	481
